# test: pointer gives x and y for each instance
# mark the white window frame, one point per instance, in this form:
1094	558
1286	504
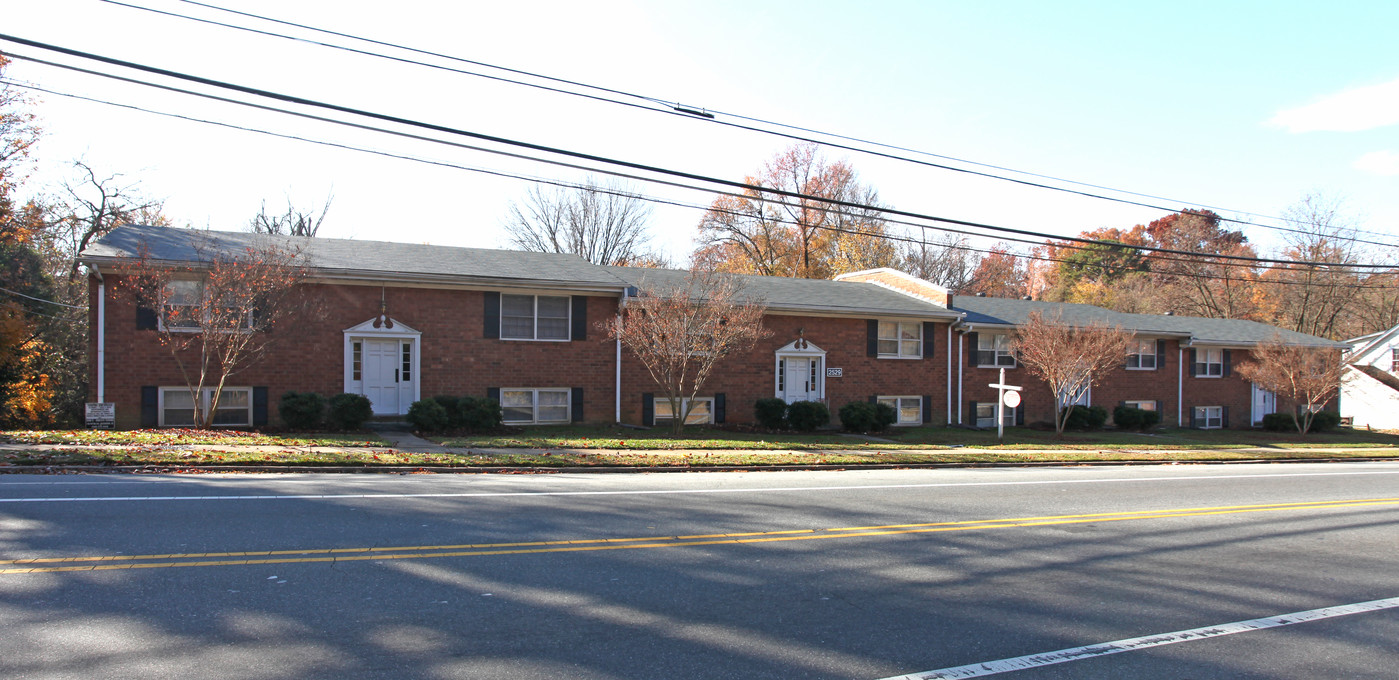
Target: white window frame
1394	360
1144	350
1141	404
1007	415
534	315
1000	347
705	418
1209	362
897	401
904	348
203	291
206	396
1203	417
534	393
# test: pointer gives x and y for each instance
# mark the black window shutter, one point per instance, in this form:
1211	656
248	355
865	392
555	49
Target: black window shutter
929	331
1020	414
260	406
1158	410
580	318
1226	363
577	404
973	341
1194	422
150	406
872	338
1191	358
648	408
493	393
1224	416
720	408
492	321
145	318
927	405
971	412
1160	354
874	399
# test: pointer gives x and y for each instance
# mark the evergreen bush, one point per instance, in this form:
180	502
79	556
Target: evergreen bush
479	414
349	411
301	410
805	416
771	413
426	415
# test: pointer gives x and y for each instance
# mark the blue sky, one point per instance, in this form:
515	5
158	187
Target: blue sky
1245	106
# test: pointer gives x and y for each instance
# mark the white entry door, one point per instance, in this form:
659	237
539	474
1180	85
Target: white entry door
797	380
384	381
1264	402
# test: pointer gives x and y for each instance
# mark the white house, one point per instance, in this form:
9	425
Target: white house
1370	384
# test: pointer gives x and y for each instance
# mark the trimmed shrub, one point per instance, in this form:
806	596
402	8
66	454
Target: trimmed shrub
426	415
1283	422
301	410
1129	418
771	413
1085	417
862	416
805	416
479	414
349	411
1325	420
449	404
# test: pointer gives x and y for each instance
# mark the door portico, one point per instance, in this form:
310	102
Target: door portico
382	362
800	372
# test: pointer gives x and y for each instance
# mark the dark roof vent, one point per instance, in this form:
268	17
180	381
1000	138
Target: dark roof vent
1026	297
1170	313
981	294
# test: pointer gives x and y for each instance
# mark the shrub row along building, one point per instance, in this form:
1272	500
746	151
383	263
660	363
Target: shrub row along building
401	322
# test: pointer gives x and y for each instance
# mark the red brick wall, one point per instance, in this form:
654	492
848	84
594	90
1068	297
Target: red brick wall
457	359
1122	384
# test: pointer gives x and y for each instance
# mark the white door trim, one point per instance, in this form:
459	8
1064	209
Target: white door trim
800	349
380	328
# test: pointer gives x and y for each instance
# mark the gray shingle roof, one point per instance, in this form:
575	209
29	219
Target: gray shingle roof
352	257
379	260
1011	312
781	293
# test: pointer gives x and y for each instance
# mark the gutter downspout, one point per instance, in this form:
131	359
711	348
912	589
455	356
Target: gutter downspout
617	386
101	337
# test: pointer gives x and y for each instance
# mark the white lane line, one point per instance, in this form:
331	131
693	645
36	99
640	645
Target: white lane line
977	670
654	492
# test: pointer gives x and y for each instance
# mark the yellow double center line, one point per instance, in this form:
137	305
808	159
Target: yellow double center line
416	552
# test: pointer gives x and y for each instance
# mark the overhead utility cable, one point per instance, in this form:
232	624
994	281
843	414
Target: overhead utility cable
673	108
652	199
633	165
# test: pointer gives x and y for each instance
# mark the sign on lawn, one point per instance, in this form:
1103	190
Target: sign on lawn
101	415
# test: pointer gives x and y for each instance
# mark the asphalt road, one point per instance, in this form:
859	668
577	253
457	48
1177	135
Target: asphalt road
861	574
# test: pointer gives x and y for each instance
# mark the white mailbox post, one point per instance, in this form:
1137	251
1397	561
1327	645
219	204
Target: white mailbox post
1006	395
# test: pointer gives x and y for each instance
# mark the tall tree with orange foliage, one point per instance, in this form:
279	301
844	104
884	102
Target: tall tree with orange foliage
1000	273
1203	285
765	232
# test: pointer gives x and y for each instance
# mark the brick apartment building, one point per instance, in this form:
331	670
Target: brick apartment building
402	322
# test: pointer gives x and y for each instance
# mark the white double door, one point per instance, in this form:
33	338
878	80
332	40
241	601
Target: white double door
799	379
388	375
1264	402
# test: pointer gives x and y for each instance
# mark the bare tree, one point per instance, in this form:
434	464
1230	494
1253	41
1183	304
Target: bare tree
89	206
217	317
1309	377
681	332
1317	299
947	260
293	222
602	223
1068	359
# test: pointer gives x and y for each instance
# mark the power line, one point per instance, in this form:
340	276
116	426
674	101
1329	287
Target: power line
673	108
30	297
612	161
539	180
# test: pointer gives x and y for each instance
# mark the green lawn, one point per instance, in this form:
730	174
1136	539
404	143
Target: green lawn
172	437
629	439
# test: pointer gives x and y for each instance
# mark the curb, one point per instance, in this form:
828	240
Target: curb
607	469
